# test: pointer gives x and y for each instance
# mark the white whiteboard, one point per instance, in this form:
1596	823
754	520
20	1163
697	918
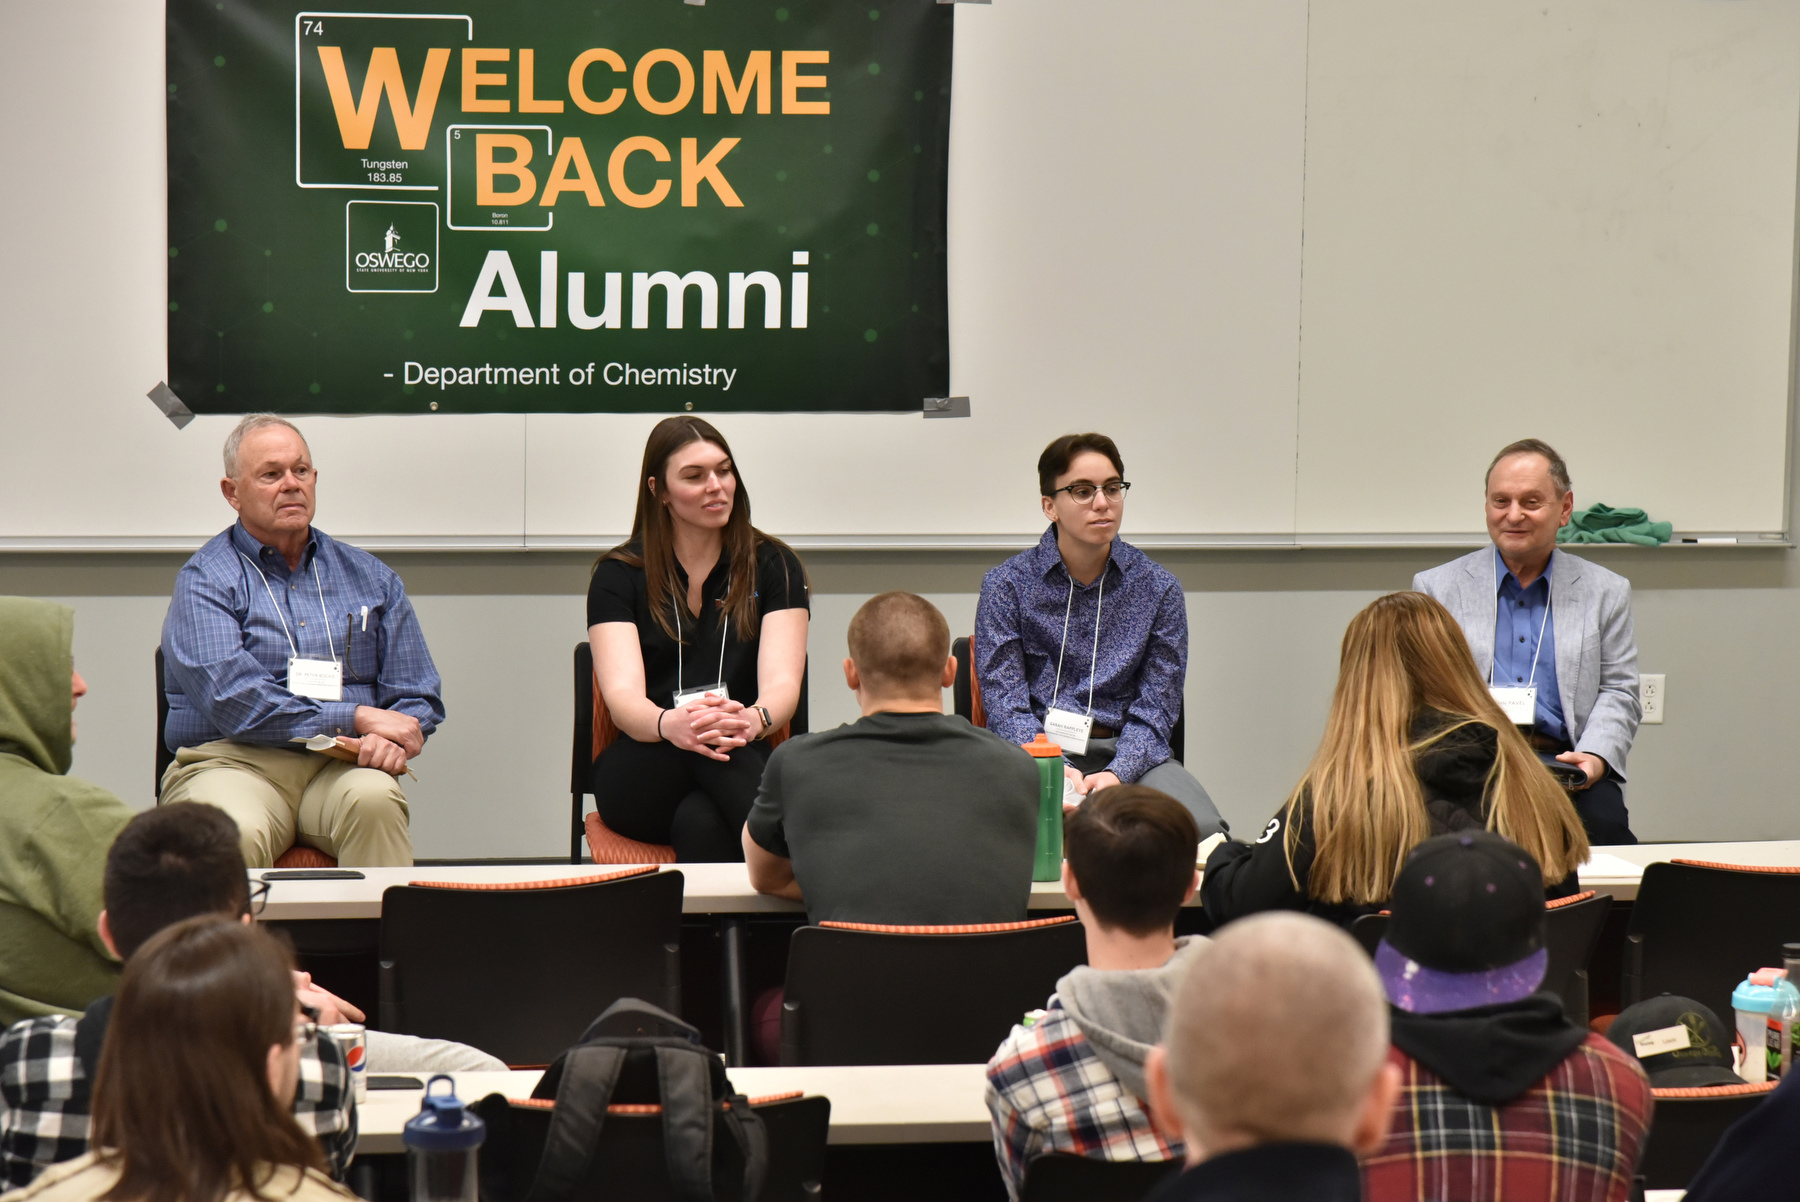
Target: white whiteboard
1308	266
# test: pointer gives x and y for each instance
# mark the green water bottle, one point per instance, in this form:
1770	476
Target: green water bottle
1047	865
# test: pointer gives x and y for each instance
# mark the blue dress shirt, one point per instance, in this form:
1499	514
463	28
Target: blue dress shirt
225	651
1519	613
1142	661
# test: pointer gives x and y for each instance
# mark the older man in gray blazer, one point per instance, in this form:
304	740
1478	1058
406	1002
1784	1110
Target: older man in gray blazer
1552	633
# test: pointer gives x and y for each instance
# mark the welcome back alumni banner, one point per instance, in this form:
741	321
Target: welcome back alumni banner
523	206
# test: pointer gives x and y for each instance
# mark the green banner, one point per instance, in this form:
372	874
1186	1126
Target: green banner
525	206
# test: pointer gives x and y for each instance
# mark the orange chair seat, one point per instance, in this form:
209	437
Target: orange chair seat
301	856
610	847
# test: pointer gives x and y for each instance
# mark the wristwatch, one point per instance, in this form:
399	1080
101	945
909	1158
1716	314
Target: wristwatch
768	723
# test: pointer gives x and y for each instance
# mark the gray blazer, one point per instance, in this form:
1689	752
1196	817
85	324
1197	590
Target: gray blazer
1596	647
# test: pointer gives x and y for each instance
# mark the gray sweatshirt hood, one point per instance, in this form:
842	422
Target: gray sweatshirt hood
1121	1012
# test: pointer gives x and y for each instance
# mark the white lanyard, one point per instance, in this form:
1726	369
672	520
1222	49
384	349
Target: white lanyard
724	629
330	645
1093	668
1535	651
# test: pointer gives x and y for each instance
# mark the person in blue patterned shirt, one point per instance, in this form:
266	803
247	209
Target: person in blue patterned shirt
1085	634
278	633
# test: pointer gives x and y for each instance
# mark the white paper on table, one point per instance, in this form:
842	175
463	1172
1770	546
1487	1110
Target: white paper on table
1605	864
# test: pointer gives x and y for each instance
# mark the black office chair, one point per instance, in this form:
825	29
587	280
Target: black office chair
1688	1124
520	970
1058	1177
965	695
1571	931
863	994
1698	928
593	731
627	1162
164	757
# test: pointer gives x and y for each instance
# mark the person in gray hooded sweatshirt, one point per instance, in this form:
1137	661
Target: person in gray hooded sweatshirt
1073	1080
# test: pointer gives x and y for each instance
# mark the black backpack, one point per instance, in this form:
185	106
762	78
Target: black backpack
633	1053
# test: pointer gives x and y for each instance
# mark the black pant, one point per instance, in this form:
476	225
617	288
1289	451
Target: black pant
1601	807
658	793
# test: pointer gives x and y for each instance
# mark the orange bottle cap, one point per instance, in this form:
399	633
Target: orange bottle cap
1041	747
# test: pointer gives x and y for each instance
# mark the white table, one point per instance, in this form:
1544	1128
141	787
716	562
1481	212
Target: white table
1618	870
725	888
706	889
870	1104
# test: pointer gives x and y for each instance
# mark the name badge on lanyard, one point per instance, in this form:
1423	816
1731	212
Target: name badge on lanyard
1069	729
320	679
717	691
1518	704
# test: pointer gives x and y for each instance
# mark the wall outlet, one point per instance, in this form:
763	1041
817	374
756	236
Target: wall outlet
1650	693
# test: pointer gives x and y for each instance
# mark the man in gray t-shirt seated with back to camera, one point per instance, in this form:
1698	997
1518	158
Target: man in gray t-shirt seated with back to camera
908	815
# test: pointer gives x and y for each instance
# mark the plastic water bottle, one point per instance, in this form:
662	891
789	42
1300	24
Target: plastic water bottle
443	1143
1047	864
1784	1013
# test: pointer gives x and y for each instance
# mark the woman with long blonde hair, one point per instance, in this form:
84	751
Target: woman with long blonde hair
1415	746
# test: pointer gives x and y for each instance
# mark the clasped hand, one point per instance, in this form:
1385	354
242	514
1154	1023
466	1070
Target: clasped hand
711	726
388	739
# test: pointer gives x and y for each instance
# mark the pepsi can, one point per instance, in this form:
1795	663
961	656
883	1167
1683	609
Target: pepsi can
355	1042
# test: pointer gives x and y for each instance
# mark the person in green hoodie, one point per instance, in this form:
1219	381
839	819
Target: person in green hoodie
54	828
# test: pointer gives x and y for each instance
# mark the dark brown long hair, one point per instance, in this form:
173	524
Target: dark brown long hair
182	1104
652	543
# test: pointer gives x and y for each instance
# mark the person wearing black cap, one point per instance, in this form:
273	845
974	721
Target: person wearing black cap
1688	1046
1679	1043
1501	1094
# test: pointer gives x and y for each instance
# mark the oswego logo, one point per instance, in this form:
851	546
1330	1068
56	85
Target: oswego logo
390	246
388	259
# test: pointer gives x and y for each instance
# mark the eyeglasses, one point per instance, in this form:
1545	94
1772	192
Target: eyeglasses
306	1030
1083	492
259	897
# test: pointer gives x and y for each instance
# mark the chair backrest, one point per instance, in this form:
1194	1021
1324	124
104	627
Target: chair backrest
1571	932
1571	929
1699	929
594	731
164	757
965	698
918	995
628	1159
1687	1125
1059	1177
1369	929
519	971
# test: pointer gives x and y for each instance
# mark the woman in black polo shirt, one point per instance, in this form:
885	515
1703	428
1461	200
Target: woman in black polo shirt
698	625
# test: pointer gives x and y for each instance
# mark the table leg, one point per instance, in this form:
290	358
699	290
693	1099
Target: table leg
736	1030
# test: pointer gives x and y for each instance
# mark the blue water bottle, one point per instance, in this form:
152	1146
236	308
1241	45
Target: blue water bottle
442	1144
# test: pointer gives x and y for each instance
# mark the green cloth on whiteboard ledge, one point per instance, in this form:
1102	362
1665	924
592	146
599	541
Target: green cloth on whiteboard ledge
1604	524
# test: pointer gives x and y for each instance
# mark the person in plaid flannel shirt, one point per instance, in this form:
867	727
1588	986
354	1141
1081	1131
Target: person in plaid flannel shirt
169	863
1073	1081
1501	1094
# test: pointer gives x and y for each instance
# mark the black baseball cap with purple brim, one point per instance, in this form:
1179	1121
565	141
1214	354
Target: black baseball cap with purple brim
1467	926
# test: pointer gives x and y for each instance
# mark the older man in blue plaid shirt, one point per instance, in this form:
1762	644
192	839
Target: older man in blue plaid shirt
276	634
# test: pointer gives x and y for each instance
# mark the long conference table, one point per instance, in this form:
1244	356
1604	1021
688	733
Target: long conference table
723	891
725	888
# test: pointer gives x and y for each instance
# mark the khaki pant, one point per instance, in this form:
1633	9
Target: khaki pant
280	797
